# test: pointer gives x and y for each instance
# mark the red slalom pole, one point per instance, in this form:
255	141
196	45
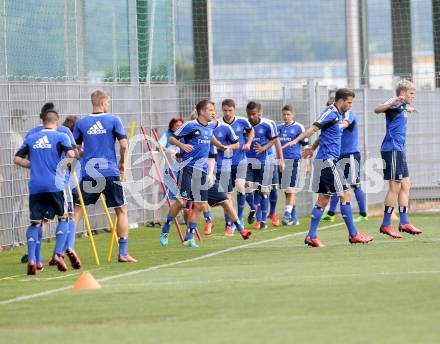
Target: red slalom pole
173	176
161	181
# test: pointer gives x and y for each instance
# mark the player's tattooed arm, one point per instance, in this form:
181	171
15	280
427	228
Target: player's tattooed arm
308	152
250	138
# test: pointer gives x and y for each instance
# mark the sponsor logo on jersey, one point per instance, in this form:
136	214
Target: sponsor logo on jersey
42	143
96	129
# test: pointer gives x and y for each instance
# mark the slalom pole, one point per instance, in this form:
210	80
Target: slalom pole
176	222
86	217
107	213
173	176
114	237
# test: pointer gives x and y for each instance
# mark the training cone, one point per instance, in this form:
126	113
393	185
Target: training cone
86	281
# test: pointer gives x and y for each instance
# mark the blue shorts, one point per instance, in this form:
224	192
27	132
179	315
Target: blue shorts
91	189
395	166
260	174
47	205
289	178
215	195
350	164
193	185
328	177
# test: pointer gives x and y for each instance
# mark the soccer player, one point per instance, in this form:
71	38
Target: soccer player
194	139
350	161
289	179
393	153
42	153
245	133
260	169
95	136
328	178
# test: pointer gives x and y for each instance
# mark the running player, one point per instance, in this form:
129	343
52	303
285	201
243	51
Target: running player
42	153
328	178
95	136
393	153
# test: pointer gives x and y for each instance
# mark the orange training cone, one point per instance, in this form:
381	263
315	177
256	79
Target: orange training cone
86	281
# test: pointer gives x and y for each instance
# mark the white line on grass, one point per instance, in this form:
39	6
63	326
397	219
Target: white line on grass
157	267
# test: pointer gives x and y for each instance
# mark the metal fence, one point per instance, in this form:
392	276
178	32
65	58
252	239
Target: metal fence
154	105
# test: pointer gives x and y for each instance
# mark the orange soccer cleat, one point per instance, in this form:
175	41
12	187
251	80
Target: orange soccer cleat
228	231
126	259
59	262
208	228
313	242
410	229
275	220
74	260
360	238
32	269
245	234
257	225
389	230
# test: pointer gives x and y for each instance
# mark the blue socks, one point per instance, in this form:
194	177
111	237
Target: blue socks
347	215
238	225
227	221
207	216
167	224
32	238
38	254
273	198
257	204
250	200
61	236
71	235
123	246
293	212
333	204
403	212
360	198
387	216
314	222
192	226
264	205
241	201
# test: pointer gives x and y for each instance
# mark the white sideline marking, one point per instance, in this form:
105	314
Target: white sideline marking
157	267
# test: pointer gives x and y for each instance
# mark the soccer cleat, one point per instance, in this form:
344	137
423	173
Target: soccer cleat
389	230
360	238
410	229
263	225
228	231
164	239
32	269
251	217
275	220
361	218
294	222
208	228
60	263
257	225
328	218
245	234
313	242
286	219
40	266
126	259
190	243
52	262
74	260
24	258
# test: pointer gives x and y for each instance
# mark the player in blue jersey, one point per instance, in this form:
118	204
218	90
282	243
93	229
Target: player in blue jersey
393	153
350	161
289	179
245	133
95	136
328	177
42	152
260	170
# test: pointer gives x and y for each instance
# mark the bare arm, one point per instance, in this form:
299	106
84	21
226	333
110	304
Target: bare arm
185	147
22	162
123	147
309	132
211	167
260	149
308	152
384	107
280	155
248	144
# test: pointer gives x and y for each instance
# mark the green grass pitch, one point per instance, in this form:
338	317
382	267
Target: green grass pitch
270	289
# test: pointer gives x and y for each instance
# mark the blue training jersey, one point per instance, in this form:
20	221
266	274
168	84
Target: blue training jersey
60	128
241	127
330	123
226	136
98	133
289	132
199	136
396	119
45	149
265	131
350	135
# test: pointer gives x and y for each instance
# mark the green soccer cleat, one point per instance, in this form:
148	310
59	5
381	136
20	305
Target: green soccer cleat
164	239
190	243
361	218
328	218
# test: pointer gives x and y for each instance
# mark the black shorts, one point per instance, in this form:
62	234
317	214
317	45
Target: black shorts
351	165
193	185
237	172
110	187
395	166
260	174
47	205
215	195
289	178
328	177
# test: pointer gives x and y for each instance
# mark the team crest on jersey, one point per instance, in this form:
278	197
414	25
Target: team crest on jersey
96	129
42	143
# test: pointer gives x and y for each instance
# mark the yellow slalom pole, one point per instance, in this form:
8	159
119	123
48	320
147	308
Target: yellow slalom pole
115	221
86	218
107	215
